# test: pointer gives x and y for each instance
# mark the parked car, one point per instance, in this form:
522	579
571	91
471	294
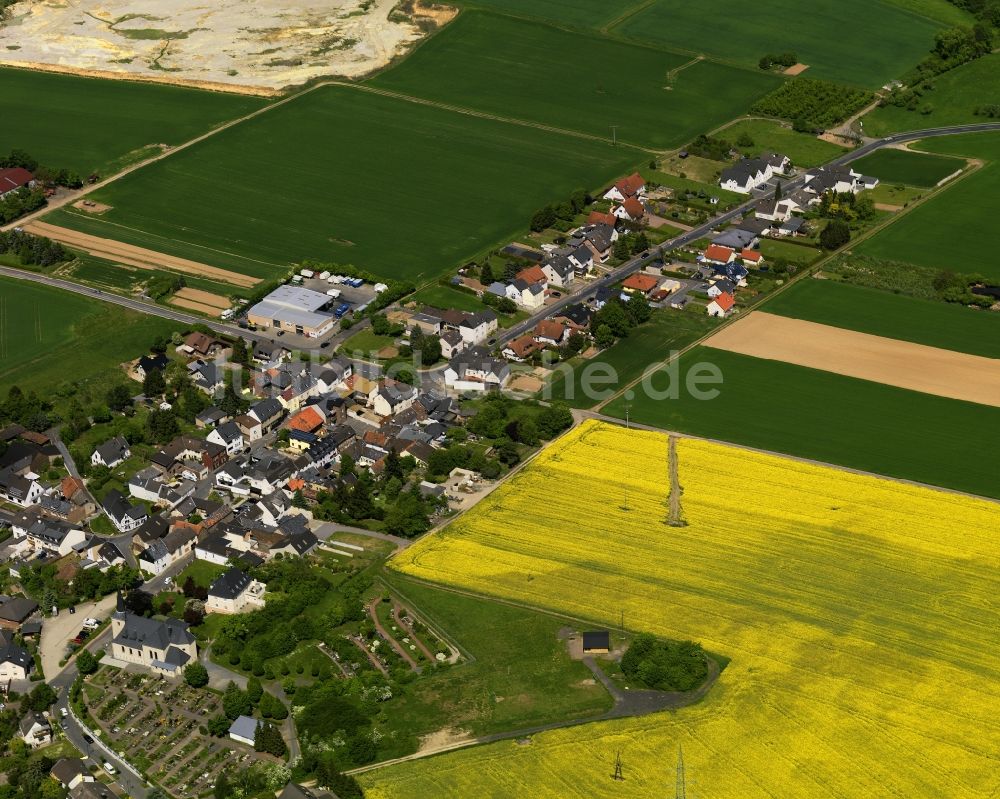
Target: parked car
109	768
87	738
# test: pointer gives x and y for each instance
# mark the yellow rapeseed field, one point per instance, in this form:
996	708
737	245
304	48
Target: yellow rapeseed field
862	617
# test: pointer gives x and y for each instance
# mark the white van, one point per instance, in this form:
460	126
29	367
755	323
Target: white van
109	768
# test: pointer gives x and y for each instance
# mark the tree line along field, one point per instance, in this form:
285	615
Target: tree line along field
882	313
49	337
808	413
909	167
531	71
857	613
952	100
89	124
946	231
863	42
404	189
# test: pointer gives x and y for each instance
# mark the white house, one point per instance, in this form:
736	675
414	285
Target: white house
15	662
234	591
476	370
227	435
389	397
838	179
632	186
478	327
560	271
124	516
70	772
526	295
721	305
24	490
111	453
35	729
746	175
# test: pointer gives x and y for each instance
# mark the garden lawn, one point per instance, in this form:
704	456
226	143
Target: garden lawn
90	124
526	70
881	313
946	231
953	100
835	419
880	41
519	674
793	253
439	187
908	167
858	615
50	337
803	149
440	296
625	360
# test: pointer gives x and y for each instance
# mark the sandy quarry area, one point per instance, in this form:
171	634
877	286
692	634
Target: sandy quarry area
239	45
881	360
138	257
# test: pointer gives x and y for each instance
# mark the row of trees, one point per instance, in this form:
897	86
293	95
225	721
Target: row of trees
32	250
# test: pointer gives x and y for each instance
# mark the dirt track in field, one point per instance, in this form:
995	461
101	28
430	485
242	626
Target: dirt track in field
139	257
903	364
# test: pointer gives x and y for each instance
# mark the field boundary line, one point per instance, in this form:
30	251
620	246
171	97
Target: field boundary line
633	425
458	109
168	238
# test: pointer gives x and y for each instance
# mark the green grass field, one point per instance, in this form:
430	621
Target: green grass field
945	232
519	674
793	253
803	149
864	42
440	296
88	124
524	70
835	419
908	167
936	324
403	189
953	99
627	359
50	337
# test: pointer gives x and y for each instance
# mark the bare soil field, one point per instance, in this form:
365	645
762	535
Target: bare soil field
138	257
203	297
252	46
191	305
881	360
91	207
796	69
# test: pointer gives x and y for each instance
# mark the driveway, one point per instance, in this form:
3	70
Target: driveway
127	780
58	630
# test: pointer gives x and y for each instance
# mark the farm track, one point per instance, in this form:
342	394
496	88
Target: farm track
458	109
139	257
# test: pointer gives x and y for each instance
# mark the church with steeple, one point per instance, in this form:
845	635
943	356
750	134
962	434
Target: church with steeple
164	647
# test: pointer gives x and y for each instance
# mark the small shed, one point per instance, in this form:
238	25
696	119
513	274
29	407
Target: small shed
597	643
244	730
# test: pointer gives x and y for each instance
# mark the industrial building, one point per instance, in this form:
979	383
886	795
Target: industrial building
294	309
